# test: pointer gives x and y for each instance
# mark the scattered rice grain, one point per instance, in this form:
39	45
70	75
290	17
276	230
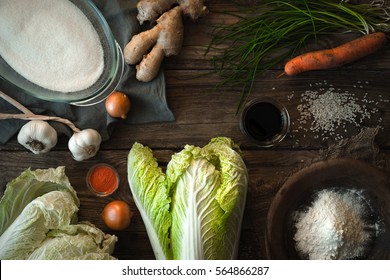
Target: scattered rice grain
327	112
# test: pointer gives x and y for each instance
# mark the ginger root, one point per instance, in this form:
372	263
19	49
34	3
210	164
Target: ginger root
165	39
150	10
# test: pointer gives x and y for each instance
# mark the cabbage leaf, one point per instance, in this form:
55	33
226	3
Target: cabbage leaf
150	192
38	220
82	241
49	211
28	186
195	209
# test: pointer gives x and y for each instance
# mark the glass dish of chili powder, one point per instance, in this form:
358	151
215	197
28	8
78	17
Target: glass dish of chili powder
102	179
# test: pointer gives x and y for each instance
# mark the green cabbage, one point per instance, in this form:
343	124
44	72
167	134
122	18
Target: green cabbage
78	241
149	187
195	209
38	220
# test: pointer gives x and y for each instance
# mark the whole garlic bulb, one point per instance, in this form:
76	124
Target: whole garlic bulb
37	136
84	144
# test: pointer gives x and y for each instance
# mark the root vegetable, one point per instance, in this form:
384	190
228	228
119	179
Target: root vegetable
150	10
83	144
118	105
37	136
117	215
341	55
164	39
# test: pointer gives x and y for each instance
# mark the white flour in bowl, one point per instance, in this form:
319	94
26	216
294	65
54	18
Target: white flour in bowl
333	227
50	43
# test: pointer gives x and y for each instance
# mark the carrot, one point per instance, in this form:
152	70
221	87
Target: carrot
341	55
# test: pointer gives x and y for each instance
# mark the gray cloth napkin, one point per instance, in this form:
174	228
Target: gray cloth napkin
148	100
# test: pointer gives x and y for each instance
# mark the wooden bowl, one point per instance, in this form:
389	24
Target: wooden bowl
299	189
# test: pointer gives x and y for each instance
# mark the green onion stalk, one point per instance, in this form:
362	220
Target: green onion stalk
272	31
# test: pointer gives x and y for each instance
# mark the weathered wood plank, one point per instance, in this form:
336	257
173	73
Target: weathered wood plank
198	36
267	172
202	112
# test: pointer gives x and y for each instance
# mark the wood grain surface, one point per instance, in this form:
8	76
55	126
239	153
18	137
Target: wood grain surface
203	111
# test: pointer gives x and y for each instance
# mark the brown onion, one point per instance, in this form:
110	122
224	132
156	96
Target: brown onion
118	105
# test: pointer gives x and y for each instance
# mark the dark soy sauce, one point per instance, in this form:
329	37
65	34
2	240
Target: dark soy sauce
263	121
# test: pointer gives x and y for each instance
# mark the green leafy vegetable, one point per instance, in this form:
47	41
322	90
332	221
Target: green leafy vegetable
76	241
194	210
272	31
38	216
150	192
27	187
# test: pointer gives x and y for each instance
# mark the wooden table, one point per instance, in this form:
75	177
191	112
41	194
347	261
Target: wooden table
203	112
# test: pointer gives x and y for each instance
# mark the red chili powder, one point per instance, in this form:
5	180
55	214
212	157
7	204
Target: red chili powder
103	179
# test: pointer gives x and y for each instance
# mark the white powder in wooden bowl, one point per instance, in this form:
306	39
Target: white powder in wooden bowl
50	43
334	227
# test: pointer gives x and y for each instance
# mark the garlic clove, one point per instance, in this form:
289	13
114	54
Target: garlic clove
37	136
84	144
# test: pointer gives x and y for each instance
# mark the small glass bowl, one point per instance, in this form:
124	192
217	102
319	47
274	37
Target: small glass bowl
265	121
102	184
106	84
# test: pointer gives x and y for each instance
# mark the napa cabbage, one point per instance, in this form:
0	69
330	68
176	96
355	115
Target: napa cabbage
194	209
38	220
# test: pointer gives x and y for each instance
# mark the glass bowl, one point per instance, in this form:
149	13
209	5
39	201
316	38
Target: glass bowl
102	179
265	121
107	82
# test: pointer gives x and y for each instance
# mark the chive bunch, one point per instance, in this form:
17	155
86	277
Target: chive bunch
272	31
